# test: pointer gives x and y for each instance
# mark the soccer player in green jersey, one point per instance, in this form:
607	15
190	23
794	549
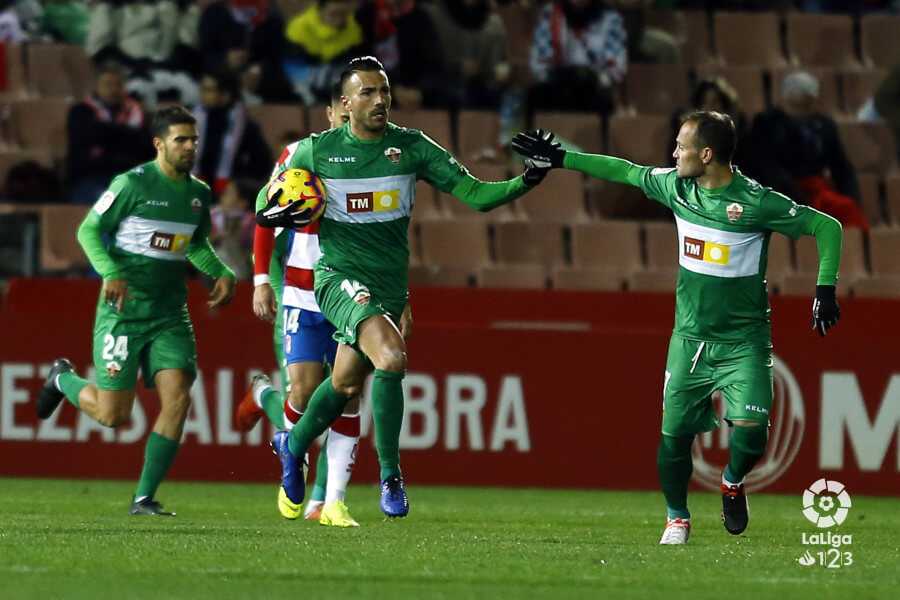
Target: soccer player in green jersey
721	339
369	168
157	217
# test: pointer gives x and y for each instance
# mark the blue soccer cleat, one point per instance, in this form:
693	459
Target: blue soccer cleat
394	502
292	477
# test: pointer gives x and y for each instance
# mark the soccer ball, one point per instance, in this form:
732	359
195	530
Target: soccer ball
299	186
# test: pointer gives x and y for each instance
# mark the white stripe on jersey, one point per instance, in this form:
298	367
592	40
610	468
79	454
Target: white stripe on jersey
165	240
341	207
711	251
303	250
297	298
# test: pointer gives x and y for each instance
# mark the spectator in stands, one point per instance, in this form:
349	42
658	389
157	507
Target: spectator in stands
887	102
321	40
231	143
237	33
66	21
153	39
714	93
578	54
401	34
107	133
791	147
473	44
232	226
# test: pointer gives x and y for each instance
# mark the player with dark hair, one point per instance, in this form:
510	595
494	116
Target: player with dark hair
369	168
157	218
310	343
721	339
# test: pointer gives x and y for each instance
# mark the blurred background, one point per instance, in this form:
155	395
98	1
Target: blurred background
813	87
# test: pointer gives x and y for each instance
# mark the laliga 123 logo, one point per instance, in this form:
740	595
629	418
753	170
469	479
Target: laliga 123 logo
826	504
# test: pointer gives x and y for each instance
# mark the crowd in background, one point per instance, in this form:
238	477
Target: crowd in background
218	57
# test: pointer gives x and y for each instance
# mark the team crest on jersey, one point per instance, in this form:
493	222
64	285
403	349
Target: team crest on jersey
196	204
393	154
734	211
113	368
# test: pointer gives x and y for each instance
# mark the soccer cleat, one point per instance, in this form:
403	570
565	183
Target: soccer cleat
313	510
676	532
394	502
288	509
49	396
248	413
148	506
293	470
735	512
337	515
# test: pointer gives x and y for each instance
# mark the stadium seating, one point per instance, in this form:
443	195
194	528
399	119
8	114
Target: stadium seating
512	276
459	244
426	207
60	250
435	275
641	139
860	85
40	123
869	146
879	40
476	130
657	89
279	120
884	248
820	40
781	262
436	123
529	243
617	201
744	38
455	208
560	198
59	70
661	274
892	198
585	130
610	245
690	29
16	79
870	197
10	158
567	277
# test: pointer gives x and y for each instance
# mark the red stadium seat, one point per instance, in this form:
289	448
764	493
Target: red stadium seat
689	28
653	280
559	199
641	139
533	277
434	123
435	275
879	40
459	244
781	262
662	246
860	86
892	198
567	277
820	40
611	245
884	248
60	70
657	89
60	250
40	123
744	38
870	197
869	146
529	243
476	131
585	130
877	287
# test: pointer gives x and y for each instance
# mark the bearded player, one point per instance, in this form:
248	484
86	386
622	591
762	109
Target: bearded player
311	345
157	218
369	168
721	339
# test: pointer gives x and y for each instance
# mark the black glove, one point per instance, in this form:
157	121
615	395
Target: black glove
539	149
288	216
534	175
826	311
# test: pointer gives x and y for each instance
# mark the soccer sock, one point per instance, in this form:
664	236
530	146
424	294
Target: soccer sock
341	449
70	384
674	465
270	400
387	413
324	407
747	446
318	493
291	415
158	458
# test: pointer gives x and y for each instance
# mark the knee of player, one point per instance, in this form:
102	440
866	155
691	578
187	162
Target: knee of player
177	405
392	359
113	417
348	389
300	395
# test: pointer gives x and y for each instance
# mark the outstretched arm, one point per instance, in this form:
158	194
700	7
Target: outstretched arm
487	195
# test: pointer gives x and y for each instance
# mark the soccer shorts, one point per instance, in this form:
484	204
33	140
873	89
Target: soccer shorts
307	337
123	346
346	303
694	370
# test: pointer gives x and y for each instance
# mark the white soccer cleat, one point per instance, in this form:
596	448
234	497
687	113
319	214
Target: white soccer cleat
676	533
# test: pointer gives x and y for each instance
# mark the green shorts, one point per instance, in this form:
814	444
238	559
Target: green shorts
694	370
346	303
121	347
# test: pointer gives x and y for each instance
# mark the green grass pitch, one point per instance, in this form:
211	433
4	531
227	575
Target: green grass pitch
72	539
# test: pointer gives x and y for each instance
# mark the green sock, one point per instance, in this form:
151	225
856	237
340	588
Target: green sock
387	413
273	403
71	385
747	446
158	457
319	488
674	466
324	407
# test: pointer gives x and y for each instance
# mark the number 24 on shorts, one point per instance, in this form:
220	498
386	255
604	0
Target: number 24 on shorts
115	347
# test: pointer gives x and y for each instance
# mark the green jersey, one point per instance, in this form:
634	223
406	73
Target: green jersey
155	224
370	188
723	241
